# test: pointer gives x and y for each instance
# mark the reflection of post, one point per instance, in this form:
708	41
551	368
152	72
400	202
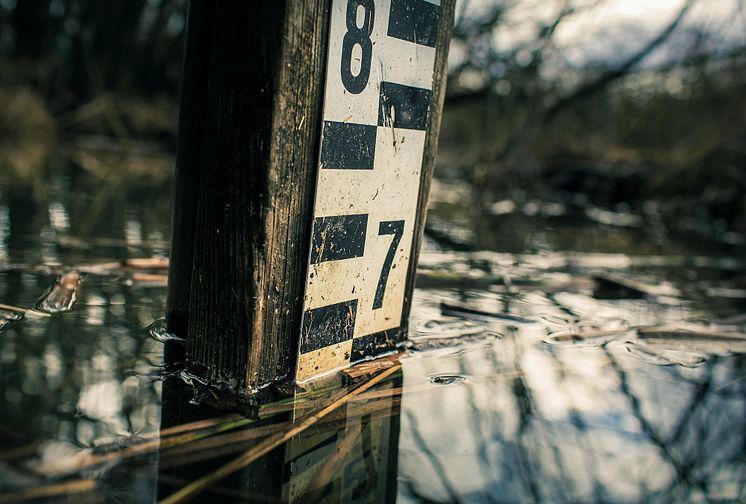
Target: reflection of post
183	463
349	456
354	459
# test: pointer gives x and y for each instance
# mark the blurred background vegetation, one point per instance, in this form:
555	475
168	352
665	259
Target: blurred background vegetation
628	105
630	112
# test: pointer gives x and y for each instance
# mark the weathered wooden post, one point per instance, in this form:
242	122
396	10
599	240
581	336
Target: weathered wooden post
307	139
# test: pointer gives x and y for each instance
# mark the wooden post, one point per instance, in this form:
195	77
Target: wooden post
252	237
248	137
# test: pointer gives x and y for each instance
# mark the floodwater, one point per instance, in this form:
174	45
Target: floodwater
553	358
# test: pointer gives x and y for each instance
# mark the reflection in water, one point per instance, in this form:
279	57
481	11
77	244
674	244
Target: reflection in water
182	463
567	422
494	415
541	376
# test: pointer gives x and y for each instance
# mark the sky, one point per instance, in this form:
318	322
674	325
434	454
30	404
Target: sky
607	30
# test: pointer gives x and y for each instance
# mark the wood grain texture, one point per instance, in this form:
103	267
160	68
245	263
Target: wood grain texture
246	166
445	28
188	161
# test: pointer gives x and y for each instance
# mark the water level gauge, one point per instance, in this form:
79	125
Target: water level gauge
377	102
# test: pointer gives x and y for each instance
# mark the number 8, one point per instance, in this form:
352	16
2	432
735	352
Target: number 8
357	36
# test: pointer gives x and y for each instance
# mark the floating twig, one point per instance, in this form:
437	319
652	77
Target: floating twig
149	280
466	312
709	342
371	367
23	311
615	286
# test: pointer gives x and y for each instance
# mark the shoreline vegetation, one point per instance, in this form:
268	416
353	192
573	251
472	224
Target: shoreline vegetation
672	139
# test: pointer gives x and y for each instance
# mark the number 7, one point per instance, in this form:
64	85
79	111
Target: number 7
395	228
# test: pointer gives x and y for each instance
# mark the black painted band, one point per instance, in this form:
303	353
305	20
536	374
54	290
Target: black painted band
414	21
376	343
348	146
403	106
338	237
328	325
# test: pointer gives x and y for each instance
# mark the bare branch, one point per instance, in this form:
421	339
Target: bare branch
612	75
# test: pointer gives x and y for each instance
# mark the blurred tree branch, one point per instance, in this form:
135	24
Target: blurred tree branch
590	88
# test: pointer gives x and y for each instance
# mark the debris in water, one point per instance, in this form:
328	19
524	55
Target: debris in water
158	332
62	295
702	341
447	379
466	312
12	313
151	263
609	218
368	368
447	329
613	286
665	356
7	317
453	280
148	280
584	338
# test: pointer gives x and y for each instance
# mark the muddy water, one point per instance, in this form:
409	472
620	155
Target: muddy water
550	360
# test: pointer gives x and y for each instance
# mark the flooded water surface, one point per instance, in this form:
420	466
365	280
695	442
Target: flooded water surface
553	357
